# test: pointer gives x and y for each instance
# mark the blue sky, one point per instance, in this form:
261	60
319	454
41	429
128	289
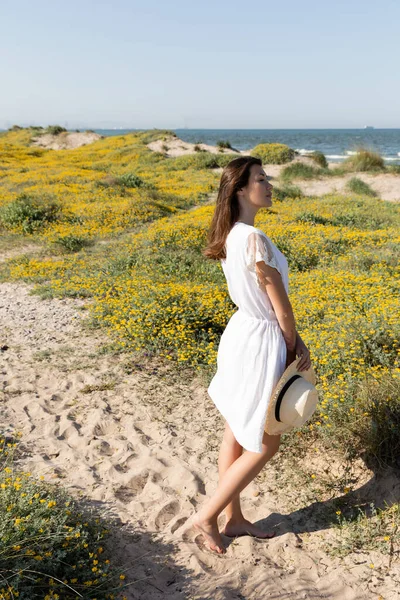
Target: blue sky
220	64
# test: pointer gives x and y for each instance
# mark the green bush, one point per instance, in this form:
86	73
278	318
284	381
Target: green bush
224	159
131	180
319	158
55	129
286	191
224	144
205	160
273	154
300	170
364	160
73	243
127	180
310	217
358	186
29	213
200	160
49	544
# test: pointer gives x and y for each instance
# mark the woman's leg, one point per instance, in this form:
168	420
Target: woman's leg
229	451
240	473
236	524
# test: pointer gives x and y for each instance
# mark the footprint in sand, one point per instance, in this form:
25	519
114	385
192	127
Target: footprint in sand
166	514
102	447
127	493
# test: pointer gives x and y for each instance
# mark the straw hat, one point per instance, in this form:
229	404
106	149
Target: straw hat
293	400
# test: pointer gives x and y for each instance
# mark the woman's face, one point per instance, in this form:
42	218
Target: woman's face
258	190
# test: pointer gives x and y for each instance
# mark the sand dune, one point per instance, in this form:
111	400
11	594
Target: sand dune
387	185
66	140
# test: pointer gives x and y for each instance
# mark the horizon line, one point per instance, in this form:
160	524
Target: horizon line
365	128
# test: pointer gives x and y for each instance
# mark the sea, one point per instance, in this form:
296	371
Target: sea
336	144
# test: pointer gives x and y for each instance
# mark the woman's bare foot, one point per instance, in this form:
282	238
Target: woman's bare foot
239	528
211	534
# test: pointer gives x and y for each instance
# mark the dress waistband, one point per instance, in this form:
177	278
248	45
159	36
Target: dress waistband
244	315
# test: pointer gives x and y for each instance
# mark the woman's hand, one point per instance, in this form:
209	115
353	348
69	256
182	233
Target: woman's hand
302	350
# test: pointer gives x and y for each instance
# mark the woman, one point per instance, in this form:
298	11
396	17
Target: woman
258	343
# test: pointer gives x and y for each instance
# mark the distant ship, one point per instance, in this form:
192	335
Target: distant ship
368	127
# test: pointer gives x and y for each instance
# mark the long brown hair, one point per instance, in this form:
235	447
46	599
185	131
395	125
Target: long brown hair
234	177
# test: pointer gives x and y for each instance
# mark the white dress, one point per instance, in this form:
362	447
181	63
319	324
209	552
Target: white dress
252	350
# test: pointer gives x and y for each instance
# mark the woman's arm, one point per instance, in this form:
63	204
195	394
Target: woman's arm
272	281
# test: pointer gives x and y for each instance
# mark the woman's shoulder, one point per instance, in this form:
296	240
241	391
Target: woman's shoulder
256	231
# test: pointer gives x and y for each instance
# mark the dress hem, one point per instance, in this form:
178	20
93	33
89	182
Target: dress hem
232	429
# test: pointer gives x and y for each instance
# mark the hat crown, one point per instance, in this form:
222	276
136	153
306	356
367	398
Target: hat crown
296	400
293	400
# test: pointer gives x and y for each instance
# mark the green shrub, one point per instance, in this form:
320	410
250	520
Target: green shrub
364	160
319	158
55	129
224	159
49	543
200	160
273	154
29	213
73	243
309	217
131	180
300	170
358	186
224	144
205	160
375	436
286	191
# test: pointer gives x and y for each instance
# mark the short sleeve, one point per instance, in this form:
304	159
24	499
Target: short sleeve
259	248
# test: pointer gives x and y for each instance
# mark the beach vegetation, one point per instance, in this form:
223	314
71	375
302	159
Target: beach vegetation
369	528
299	170
53	546
395	169
55	129
286	190
274	154
364	160
203	160
131	180
319	158
223	144
358	186
28	213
